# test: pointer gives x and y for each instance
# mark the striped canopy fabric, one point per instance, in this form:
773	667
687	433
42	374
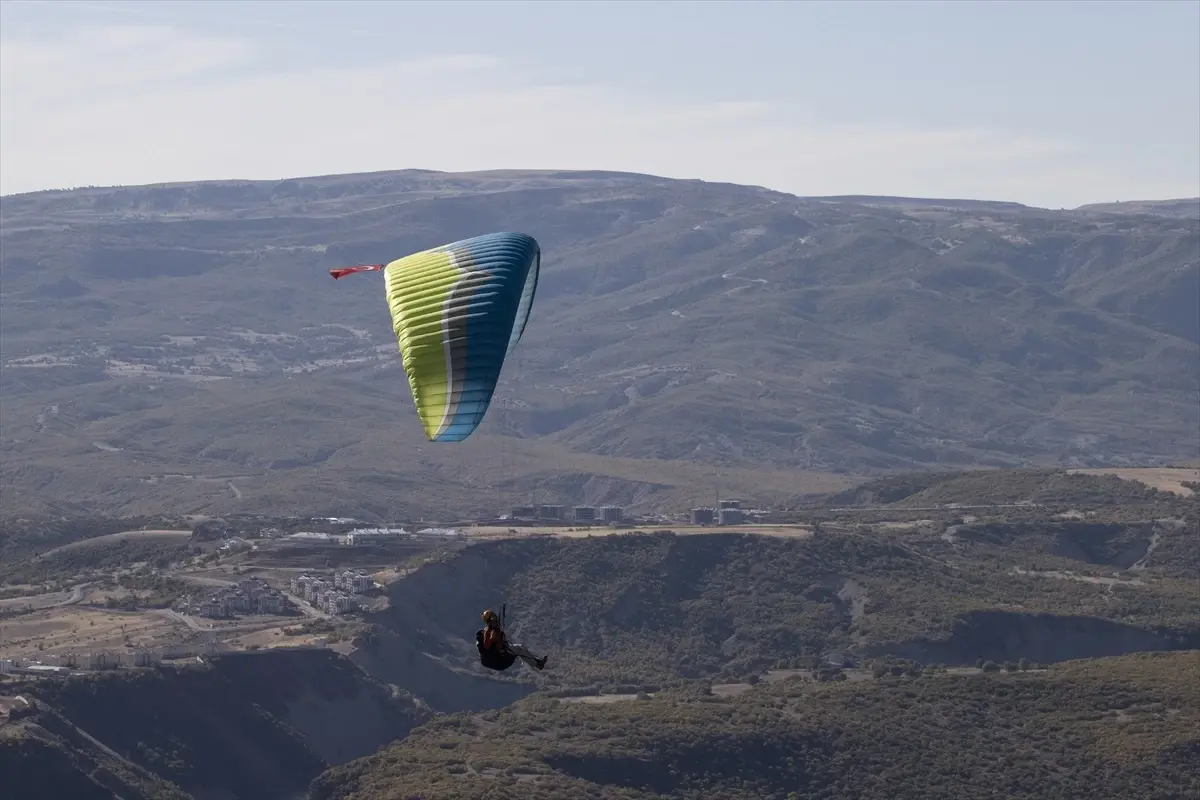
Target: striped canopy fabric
458	310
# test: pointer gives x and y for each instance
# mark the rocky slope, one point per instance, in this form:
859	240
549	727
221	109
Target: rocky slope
193	330
252	725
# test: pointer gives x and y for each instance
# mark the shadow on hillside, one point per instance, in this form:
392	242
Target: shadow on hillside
391	658
1044	638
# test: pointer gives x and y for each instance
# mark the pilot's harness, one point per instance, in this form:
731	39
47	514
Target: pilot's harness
493	659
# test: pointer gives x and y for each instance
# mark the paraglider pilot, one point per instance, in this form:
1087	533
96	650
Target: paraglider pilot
496	651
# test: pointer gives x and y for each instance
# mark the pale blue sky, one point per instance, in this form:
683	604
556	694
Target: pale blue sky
1046	103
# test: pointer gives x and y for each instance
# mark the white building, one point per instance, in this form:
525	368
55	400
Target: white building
62	660
361	536
145	658
98	661
311	537
44	668
356	582
315	589
270	604
441	533
340	604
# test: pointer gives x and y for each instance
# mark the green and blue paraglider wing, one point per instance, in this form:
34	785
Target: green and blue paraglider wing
458	311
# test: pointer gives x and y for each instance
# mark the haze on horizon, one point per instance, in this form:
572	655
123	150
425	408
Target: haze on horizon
1053	104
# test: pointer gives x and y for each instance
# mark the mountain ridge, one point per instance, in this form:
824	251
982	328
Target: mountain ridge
865	199
192	324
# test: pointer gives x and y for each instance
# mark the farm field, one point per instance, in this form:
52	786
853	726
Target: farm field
1165	479
80	629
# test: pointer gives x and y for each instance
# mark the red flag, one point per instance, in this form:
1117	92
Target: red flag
344	271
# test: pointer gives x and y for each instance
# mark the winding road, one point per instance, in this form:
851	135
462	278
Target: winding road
74	597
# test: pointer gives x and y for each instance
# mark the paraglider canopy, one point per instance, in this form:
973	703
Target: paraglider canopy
458	310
